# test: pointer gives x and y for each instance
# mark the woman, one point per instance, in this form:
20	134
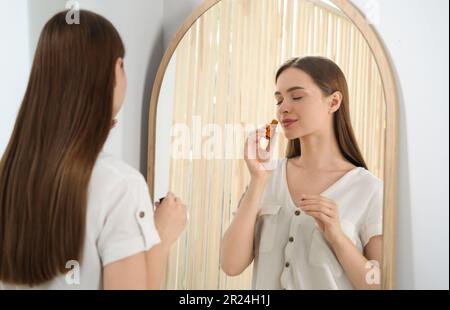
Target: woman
72	216
315	221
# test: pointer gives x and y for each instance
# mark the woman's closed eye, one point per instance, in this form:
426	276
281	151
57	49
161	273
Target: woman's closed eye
279	100
295	98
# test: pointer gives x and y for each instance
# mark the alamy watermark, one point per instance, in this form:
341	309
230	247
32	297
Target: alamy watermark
209	141
373	275
73	14
73	275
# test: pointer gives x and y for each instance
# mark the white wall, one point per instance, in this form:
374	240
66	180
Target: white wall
416	35
14	64
175	12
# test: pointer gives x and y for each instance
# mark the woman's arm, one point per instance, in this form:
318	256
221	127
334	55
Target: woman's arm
126	274
146	269
360	269
138	272
156	259
237	243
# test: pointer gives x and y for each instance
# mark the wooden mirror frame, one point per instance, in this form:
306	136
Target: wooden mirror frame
391	99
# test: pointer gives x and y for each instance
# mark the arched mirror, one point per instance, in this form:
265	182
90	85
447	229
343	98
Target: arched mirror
216	82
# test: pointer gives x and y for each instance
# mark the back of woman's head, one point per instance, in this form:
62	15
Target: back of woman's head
62	125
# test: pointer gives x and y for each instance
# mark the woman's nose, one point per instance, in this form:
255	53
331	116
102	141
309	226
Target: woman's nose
284	107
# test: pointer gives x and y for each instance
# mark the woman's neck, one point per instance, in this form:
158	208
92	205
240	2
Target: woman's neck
320	152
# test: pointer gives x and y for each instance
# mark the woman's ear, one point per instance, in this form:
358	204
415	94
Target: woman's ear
120	86
118	70
335	101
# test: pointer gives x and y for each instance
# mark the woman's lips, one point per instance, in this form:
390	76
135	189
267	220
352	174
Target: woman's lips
288	123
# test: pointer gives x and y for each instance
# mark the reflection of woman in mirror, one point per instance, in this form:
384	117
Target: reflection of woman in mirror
72	216
315	221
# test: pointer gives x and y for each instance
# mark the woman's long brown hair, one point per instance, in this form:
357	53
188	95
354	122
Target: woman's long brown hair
61	127
329	78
